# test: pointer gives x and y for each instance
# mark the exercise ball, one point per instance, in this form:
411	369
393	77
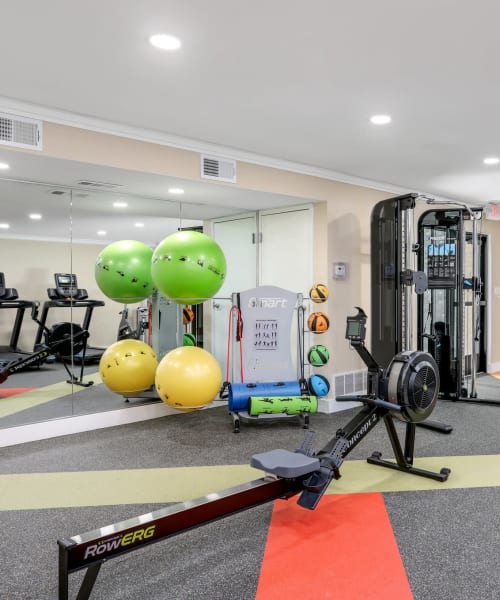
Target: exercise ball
188	267
123	271
128	366
318	322
188	378
318	385
319	292
318	355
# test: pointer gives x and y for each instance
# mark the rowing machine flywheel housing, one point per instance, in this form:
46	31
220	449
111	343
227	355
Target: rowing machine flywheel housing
413	384
68	337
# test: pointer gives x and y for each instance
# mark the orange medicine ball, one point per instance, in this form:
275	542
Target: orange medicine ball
318	322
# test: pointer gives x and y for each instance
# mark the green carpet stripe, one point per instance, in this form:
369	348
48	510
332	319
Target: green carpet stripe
94	488
14	404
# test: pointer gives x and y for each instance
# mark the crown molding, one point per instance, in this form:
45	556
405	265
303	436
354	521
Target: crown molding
69	119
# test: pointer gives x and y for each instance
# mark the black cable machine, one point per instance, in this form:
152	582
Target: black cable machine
67	294
393	278
407	391
451	315
449	300
9	298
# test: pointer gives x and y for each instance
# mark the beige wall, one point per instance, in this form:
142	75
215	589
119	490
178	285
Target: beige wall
30	269
342	225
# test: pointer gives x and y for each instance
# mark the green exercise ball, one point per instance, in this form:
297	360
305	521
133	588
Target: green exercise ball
123	271
188	267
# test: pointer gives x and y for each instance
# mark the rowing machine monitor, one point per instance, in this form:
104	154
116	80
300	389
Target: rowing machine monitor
356	327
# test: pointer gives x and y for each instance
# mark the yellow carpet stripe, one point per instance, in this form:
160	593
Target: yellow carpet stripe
94	488
14	404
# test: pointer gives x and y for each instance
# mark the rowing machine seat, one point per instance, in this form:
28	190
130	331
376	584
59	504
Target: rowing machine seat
285	463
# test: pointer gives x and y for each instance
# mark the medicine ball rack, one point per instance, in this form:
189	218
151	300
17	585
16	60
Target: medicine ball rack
407	390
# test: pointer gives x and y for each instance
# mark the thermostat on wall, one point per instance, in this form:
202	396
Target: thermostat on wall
340	270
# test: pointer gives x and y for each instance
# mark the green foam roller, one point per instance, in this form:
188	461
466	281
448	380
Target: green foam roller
287	405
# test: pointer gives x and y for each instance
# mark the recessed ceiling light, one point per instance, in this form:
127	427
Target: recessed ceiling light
35	216
4	226
380	119
4	166
491	160
102	232
138	224
165	42
120	204
177	191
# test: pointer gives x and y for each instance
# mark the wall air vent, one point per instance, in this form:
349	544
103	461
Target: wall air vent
352	382
220	169
98	185
20	132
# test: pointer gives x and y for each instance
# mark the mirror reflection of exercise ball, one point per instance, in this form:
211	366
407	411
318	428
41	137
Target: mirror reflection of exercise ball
188	267
123	271
128	366
188	378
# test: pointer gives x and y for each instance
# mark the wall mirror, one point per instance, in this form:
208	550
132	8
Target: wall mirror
57	216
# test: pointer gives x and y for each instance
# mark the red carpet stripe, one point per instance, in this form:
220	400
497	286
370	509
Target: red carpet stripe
343	550
6	392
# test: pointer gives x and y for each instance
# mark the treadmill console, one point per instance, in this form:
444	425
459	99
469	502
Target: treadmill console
66	284
66	288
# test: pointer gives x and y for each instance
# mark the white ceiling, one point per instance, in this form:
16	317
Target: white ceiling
287	80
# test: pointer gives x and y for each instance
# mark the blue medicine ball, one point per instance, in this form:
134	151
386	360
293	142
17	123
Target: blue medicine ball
318	385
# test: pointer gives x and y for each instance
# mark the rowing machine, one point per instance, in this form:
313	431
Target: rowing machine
62	338
407	391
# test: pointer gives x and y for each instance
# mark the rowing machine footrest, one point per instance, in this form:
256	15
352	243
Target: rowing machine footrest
284	463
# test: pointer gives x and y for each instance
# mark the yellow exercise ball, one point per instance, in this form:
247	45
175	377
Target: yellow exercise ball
128	366
188	378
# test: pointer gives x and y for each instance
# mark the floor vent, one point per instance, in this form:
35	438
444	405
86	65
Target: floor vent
220	169
352	382
20	132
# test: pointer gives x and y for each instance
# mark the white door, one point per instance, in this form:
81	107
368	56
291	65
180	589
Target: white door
286	249
236	236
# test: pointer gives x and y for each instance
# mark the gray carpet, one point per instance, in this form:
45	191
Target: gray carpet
449	540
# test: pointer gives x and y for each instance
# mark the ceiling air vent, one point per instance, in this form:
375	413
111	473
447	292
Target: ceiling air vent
98	185
220	169
20	132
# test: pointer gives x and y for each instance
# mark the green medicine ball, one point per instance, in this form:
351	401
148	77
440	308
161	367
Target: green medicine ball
123	271
318	355
188	339
188	267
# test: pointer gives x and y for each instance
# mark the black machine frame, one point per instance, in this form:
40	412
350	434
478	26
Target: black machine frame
67	294
9	299
304	472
